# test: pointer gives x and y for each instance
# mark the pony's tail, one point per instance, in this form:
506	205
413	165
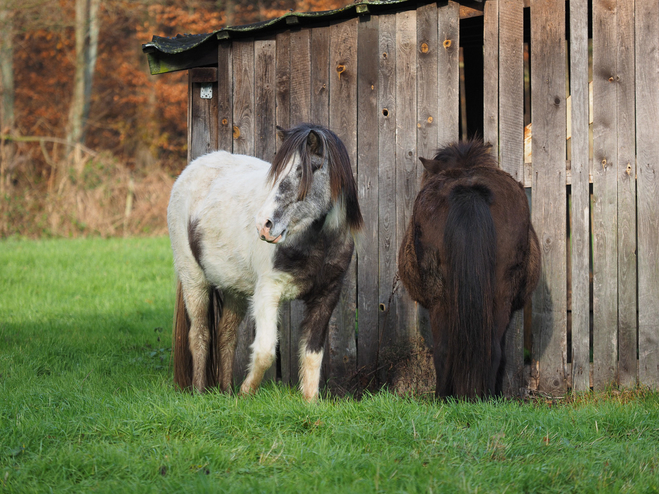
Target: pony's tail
181	345
470	250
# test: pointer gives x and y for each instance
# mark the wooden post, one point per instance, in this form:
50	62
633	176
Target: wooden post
549	195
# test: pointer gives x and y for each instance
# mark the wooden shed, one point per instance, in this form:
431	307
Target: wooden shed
395	79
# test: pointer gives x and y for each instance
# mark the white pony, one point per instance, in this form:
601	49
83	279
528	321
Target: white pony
247	235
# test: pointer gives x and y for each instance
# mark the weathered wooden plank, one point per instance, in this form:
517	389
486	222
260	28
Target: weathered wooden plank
367	186
580	203
647	145
511	151
225	97
387	239
448	72
626	132
203	120
549	194
287	356
243	97
343	121
605	195
406	159
320	75
300	76
265	99
243	143
426	81
491	74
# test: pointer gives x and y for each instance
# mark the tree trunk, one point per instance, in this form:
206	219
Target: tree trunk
86	33
7	71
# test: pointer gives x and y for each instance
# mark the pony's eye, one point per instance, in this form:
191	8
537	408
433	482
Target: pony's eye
316	165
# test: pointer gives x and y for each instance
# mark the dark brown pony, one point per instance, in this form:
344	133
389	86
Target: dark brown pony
471	257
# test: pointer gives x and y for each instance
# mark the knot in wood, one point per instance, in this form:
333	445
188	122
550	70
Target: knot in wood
236	132
340	69
424	47
225	121
385	112
447	43
429	119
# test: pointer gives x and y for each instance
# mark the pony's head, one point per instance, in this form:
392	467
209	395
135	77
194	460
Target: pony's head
312	183
464	154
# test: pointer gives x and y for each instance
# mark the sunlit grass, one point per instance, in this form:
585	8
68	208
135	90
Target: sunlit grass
87	403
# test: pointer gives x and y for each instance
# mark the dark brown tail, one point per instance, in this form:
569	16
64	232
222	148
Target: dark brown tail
181	346
470	249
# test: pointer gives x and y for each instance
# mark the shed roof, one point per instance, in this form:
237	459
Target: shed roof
194	50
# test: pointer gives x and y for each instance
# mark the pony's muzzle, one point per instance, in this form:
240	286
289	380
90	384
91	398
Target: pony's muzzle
265	233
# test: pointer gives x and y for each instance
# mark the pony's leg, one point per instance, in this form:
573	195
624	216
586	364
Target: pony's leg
444	386
501	322
317	314
265	306
196	303
233	313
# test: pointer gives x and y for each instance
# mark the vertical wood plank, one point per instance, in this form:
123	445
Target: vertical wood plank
225	96
387	239
343	121
448	72
243	143
300	76
320	75
367	186
406	160
243	97
580	227
511	151
203	123
626	119
605	195
491	74
548	115
647	145
264	117
426	81
287	357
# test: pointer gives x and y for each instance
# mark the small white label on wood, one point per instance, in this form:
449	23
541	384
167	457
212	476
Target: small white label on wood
207	91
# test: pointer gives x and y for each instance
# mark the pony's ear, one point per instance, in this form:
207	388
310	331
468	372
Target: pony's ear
433	166
314	144
281	133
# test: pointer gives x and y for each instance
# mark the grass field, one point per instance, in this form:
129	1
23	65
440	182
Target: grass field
87	404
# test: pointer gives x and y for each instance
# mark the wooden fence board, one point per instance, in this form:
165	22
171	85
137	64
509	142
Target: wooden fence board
580	213
426	82
511	151
343	121
605	195
320	76
549	195
647	145
203	120
491	74
406	158
387	240
626	116
225	97
243	135
367	186
448	72
300	76
282	116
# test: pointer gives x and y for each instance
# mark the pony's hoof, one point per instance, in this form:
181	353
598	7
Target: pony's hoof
247	390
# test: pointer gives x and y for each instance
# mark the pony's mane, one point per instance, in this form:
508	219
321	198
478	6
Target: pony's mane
330	147
467	154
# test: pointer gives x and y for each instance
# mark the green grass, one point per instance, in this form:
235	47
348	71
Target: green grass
87	404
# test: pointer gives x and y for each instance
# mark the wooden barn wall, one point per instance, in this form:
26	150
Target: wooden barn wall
388	85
